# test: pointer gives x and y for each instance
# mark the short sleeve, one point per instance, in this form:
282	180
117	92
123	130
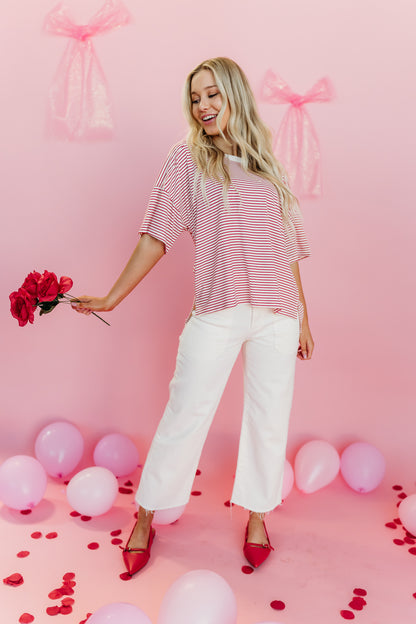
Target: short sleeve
296	242
169	200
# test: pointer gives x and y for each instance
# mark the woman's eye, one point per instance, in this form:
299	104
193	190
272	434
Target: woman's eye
213	95
195	101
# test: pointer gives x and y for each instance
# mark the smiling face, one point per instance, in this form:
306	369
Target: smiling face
207	102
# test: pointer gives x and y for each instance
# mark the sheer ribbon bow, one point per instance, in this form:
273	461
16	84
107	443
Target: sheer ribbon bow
79	104
296	144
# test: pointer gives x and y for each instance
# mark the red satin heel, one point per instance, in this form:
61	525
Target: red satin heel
256	553
136	558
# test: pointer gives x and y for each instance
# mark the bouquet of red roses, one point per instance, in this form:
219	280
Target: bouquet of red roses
43	292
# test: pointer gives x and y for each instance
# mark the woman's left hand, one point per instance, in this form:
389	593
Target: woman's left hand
306	343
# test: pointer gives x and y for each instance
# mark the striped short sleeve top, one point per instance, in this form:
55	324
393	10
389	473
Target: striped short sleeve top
243	251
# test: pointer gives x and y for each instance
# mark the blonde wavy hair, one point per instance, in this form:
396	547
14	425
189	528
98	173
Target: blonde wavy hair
244	128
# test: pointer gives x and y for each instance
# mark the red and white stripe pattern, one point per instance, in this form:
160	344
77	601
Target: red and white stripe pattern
243	251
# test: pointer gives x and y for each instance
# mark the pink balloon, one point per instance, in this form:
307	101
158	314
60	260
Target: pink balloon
407	513
167	516
92	491
198	597
288	479
23	482
59	448
118	453
362	466
119	613
316	465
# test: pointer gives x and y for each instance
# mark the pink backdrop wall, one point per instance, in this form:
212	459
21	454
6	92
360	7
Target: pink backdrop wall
75	208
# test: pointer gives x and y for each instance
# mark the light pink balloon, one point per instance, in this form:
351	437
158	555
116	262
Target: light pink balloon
59	448
363	466
407	513
198	597
92	491
167	516
23	482
288	479
118	453
119	613
316	465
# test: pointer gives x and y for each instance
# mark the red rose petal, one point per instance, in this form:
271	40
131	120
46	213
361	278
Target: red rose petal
356	604
22	554
93	545
87	618
26	618
125	576
116	541
410	535
124	490
397	487
228	503
398	542
51	535
36	535
68	584
409	540
247	569
68	601
85	518
65	609
52	610
278	605
412	551
414	595
128	483
74	514
116	533
196	493
397	521
66	591
391	525
347	615
14	579
25	512
55	594
68	576
402	495
198	472
360	592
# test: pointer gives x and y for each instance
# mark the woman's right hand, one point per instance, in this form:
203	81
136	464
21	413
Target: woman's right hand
87	305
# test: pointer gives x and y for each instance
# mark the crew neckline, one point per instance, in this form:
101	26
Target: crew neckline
232	157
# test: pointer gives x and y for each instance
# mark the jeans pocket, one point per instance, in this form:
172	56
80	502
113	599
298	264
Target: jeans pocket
286	334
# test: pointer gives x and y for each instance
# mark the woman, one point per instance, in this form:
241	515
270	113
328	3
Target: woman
226	188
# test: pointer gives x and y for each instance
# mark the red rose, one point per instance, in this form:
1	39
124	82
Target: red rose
30	285
22	307
65	284
48	287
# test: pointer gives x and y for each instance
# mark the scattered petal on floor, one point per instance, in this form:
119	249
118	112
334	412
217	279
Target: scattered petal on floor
93	545
279	605
125	576
85	518
26	618
347	615
22	554
51	535
52	610
247	569
360	592
26	512
36	535
116	541
196	493
116	533
14	579
124	490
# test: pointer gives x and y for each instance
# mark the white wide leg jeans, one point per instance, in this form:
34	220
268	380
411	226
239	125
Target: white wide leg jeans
208	348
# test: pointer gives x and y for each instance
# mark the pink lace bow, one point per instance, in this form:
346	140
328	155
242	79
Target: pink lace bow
79	104
296	144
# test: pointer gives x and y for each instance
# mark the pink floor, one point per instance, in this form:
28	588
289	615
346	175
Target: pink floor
327	544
